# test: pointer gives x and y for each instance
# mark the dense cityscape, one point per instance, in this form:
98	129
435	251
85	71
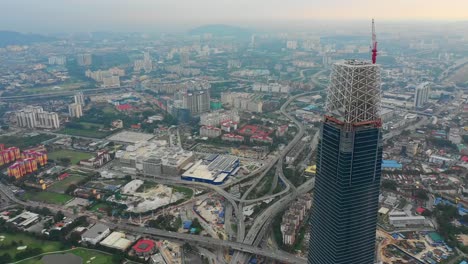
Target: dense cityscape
226	144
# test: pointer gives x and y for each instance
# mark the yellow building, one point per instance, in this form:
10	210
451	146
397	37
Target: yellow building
311	169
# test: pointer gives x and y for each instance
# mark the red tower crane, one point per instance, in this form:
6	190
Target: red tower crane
374	44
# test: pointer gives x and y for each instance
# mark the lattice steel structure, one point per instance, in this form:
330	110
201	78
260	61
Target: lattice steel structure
354	93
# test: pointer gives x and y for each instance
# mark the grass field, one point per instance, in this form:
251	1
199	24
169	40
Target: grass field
29	241
48	197
84	132
61	186
75	156
24	142
86	254
63	87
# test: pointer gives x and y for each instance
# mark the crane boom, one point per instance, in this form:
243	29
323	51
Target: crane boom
374	44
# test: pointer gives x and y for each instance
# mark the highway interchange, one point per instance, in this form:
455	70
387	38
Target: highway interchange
245	243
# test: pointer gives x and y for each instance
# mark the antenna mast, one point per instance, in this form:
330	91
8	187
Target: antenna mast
374	44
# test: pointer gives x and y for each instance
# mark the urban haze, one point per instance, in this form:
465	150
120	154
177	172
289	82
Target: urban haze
269	132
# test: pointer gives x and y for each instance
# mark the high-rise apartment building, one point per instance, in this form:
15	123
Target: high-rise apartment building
344	215
57	60
196	102
146	64
421	95
84	59
75	110
79	98
111	81
36	117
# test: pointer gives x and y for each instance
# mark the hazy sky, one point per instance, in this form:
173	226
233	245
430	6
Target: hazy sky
122	15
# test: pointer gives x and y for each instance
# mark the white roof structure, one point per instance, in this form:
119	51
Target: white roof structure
132	186
25	218
131	137
383	210
117	240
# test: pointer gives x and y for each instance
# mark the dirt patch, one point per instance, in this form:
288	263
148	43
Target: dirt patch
460	75
463	239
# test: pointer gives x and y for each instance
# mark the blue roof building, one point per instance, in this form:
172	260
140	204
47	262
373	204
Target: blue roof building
391	164
187	224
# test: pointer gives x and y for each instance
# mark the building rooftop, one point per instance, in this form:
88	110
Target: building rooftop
116	240
95	231
131	137
213	169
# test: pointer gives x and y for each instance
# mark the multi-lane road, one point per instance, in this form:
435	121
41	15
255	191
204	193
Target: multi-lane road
261	223
207	241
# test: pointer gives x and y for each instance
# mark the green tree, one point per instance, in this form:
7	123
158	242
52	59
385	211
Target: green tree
422	195
6	258
59	216
389	185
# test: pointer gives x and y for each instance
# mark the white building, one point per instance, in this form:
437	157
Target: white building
117	240
57	60
75	110
209	131
291	44
36	117
111	81
404	221
421	95
79	98
196	102
242	101
84	59
154	158
218	117
271	88
440	160
25	219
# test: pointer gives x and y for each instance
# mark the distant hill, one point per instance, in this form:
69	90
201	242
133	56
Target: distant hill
16	38
221	31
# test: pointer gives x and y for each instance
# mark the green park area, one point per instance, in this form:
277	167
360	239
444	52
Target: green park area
87	255
23	142
85	129
47	197
20	246
73	155
62	186
59	88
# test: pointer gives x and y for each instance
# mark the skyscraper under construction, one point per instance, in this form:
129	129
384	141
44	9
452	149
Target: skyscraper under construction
344	215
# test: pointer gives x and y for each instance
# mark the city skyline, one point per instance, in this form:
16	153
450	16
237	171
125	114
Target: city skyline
156	15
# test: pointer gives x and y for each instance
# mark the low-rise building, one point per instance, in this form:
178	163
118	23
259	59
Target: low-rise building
210	132
95	234
117	240
405	221
101	158
214	169
232	138
25	219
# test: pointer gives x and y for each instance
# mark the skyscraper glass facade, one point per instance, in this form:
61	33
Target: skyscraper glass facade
349	159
